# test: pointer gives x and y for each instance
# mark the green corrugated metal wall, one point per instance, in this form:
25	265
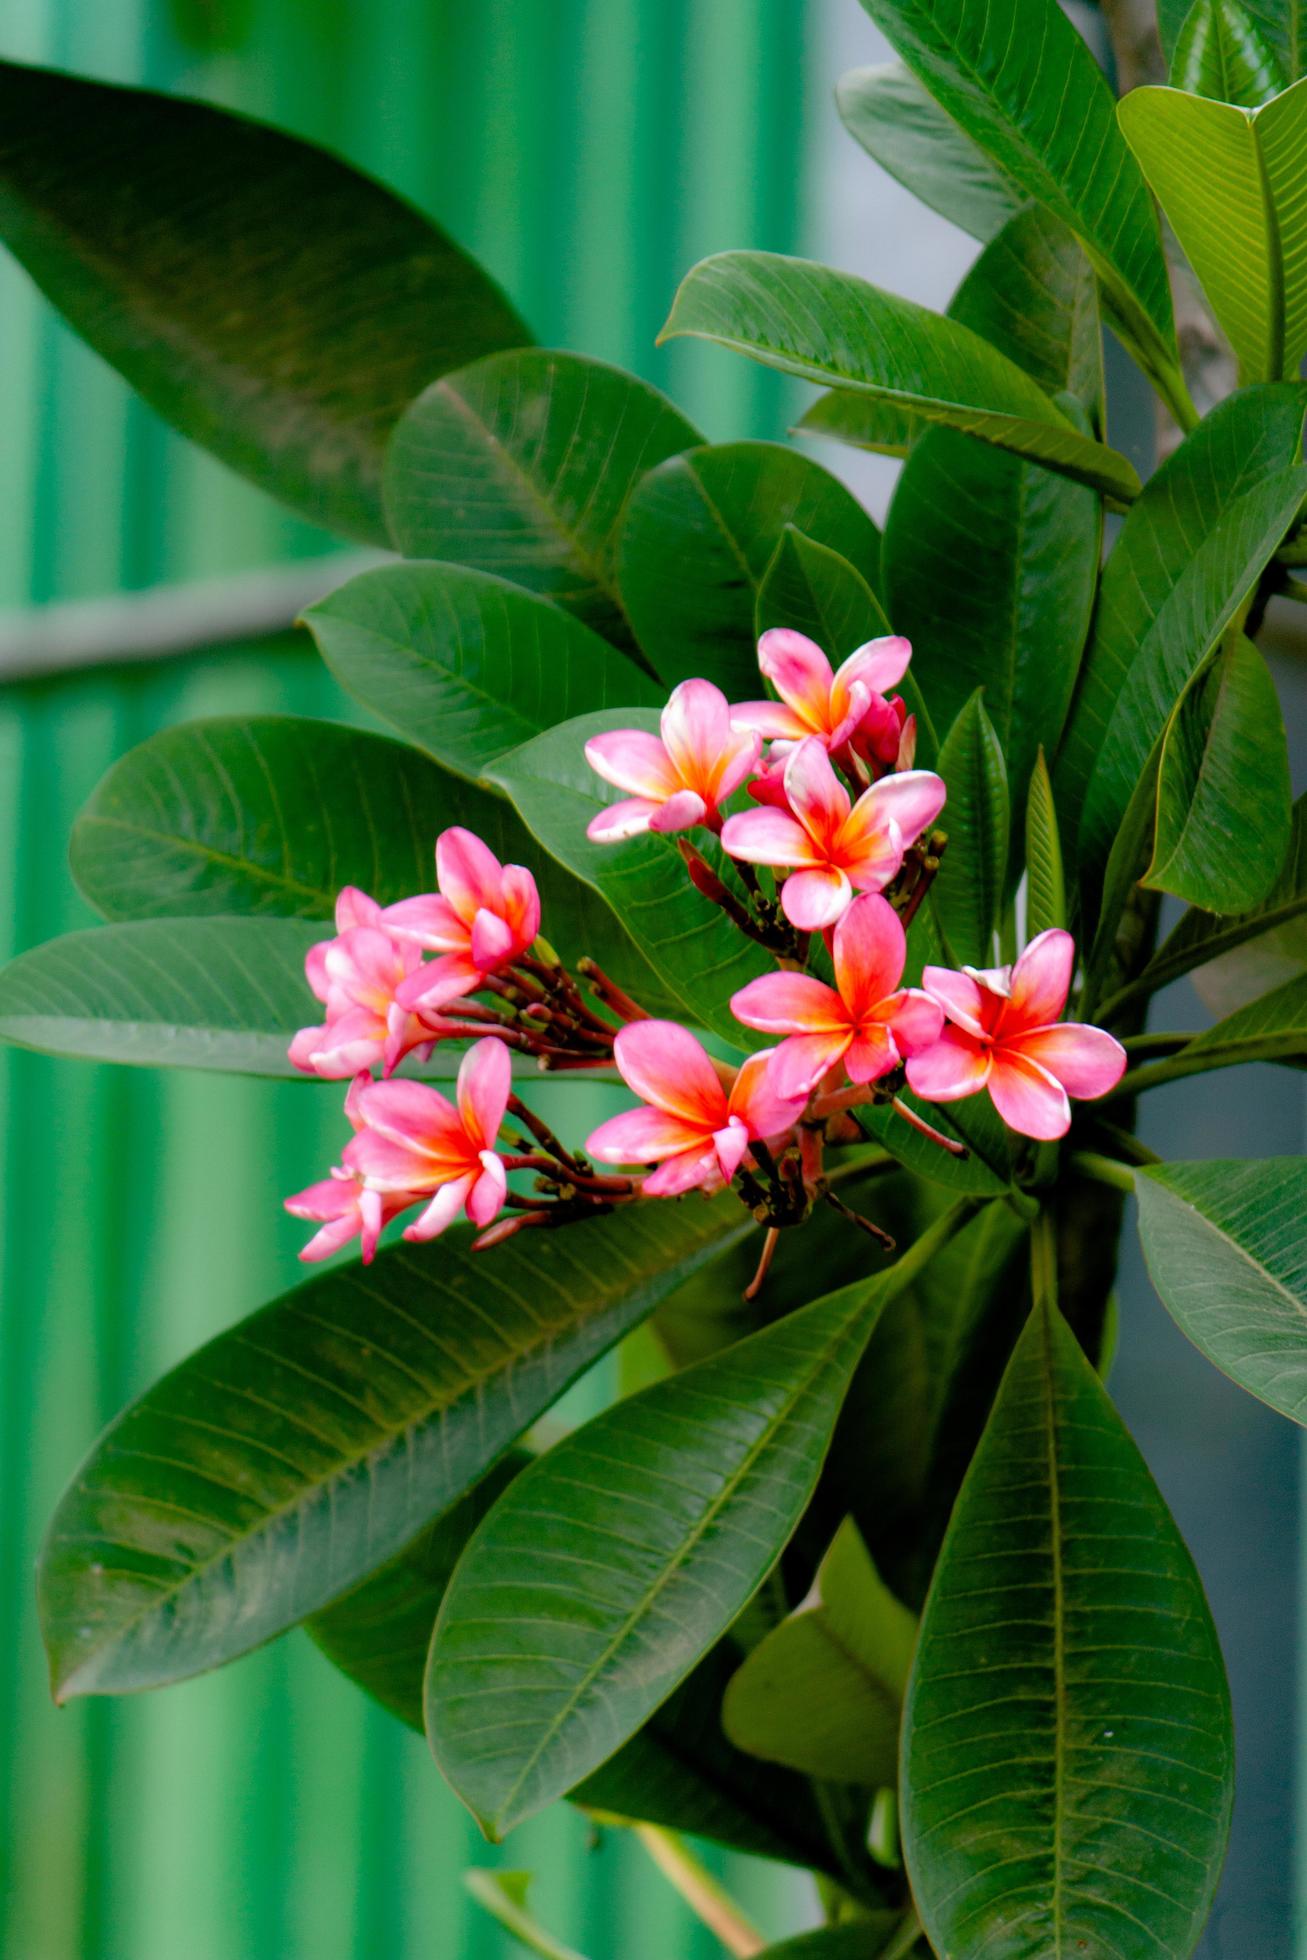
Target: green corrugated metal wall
588	150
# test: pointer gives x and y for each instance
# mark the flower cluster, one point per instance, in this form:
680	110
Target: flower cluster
842	828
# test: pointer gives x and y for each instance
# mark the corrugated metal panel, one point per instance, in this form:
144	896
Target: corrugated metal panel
589	150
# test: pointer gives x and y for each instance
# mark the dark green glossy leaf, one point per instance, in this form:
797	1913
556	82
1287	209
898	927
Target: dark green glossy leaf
1257	948
172	993
700	958
1223	52
1032	294
463	663
699	534
1224	808
822	1691
834	328
984	1172
268	300
862	1939
1049	1804
968	892
1282	23
1187	555
294	1454
1026	89
901	125
521	465
1231	183
1046	886
619	1559
1226	1251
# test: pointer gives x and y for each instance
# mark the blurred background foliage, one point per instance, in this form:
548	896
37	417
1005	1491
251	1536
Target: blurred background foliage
588	151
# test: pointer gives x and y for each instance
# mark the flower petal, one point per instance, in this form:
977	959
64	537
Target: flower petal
914	1019
355	908
790	1003
768	836
642	1136
633	760
769	718
493	940
485	1081
1040	982
439	981
521	904
667	1067
759	1103
488	1193
1027	1097
468	872
410	1114
958	995
813	900
815	793
799	671
1086	1061
869	950
913	798
737	756
684	1172
429	921
878	664
873	1054
443	1209
799	1064
730	1144
951	1067
695	727
680	812
621	820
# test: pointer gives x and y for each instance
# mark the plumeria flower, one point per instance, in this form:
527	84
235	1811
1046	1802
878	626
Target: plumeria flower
412	1140
342	1206
829	846
358	976
677	781
484	916
814	701
886	737
867	1021
694	1129
1004	1034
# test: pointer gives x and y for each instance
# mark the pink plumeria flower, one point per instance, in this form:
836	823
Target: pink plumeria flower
814	701
677	781
693	1129
484	916
342	1206
830	846
1004	1034
867	1021
358	975
413	1140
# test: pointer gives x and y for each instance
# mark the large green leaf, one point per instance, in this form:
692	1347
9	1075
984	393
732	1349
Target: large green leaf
272	815
1271	1028
699	957
822	1691
1226	1251
901	125
864	1938
1067	1754
1023	85
620	1557
1282	23
698	538
1046	885
832	327
294	1454
264	297
1188	554
465	664
968	892
1232	184
173	993
522	464
1223	52
1224	802
1258	948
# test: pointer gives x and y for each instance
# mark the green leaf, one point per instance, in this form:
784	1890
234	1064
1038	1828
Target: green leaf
865	1938
1046	886
832	327
1282	24
863	421
968	891
1222	52
616	1561
272	815
293	1455
986	1172
1026	89
464	664
699	957
822	1691
1224	802
521	465
268	300
901	125
1225	1250
1272	1028
699	535
815	591
1188	554
1257	948
194	993
1231	183
504	1896
1032	295
1067	1753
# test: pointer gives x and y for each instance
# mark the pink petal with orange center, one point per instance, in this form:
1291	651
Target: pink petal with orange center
769	718
642	1136
737	756
958	995
813	900
1085	1060
878	664
758	1101
680	812
667	1067
688	1171
799	671
444	1208
873	1054
913	1018
488	1193
1040	982
869	950
468	872
521	904
389	1166
1027	1097
633	760
493	941
800	1063
954	1066
695	727
413	1115
440	981
815	793
429	921
485	1081
730	1144
790	1003
768	836
913	798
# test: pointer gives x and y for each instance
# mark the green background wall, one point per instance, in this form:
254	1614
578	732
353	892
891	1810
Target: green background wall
588	151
